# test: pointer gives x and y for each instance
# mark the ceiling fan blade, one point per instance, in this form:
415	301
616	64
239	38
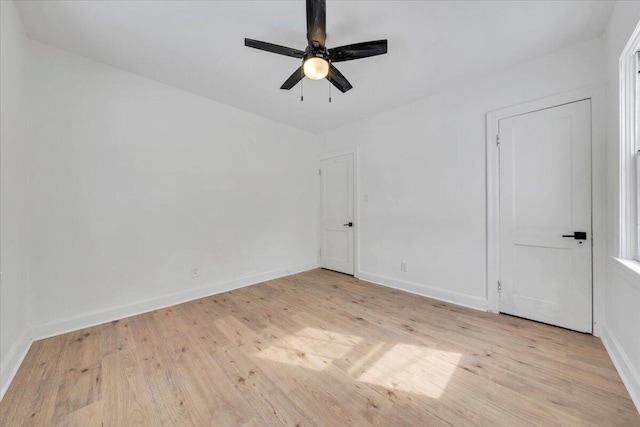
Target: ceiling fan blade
316	21
358	50
293	79
274	48
338	80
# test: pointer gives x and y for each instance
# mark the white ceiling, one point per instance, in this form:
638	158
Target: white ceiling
199	46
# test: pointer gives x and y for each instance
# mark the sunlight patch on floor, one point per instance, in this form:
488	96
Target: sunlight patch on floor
310	348
413	369
360	364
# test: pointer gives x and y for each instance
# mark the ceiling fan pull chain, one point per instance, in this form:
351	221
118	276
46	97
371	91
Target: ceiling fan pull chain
302	87
329	92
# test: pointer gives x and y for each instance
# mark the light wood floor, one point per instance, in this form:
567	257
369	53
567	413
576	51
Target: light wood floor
318	348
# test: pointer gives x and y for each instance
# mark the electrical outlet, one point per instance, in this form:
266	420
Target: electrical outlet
404	266
195	272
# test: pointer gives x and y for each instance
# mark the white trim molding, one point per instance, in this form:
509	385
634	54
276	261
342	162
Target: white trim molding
13	360
16	355
86	320
598	199
629	270
628	246
356	203
621	330
630	377
440	294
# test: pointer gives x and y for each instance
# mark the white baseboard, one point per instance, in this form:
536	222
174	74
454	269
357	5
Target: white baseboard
86	320
626	370
13	360
426	291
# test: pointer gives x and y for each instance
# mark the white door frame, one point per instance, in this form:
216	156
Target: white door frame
598	193
356	204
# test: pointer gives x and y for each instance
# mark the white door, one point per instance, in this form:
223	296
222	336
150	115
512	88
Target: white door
336	252
545	195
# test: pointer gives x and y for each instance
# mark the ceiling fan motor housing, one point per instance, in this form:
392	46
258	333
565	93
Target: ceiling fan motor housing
317	52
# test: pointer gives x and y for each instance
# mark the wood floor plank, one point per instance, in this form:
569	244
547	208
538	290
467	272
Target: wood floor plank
79	372
116	336
34	379
124	390
166	399
87	416
260	393
39	409
319	349
199	317
207	391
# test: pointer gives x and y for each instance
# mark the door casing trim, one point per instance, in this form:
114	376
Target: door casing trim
356	210
598	193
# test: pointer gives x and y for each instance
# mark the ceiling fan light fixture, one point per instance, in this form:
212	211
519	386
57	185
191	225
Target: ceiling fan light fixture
316	68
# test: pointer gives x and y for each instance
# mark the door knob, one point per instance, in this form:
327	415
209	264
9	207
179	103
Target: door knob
349	224
578	235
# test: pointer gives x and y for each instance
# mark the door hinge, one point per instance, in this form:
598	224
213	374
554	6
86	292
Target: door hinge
499	286
320	251
498	140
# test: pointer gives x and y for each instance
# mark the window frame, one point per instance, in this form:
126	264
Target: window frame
635	115
629	183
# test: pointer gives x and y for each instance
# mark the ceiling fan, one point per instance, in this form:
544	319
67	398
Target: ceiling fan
317	60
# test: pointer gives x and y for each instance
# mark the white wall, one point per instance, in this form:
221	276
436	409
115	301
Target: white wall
622	334
422	167
132	183
13	289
